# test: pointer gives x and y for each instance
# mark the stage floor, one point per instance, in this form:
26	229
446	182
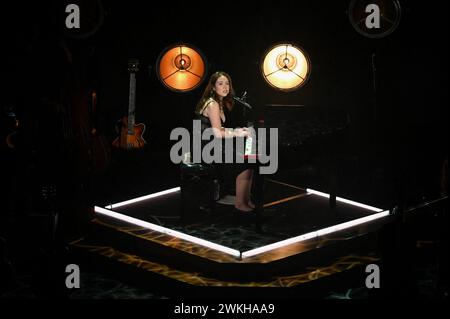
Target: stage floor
289	211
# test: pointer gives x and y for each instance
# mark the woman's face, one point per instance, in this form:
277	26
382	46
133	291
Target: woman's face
222	86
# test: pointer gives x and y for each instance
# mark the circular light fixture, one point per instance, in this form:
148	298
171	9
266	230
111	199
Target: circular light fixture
375	18
181	67
285	67
91	18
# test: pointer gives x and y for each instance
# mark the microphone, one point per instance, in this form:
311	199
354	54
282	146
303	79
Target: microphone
240	100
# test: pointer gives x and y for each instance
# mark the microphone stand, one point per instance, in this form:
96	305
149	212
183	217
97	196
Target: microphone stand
244	103
240	100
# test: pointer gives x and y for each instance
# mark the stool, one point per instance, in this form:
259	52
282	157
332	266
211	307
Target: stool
199	188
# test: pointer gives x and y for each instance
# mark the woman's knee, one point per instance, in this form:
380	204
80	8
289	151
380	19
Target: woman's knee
245	174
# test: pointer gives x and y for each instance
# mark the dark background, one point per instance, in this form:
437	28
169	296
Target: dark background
400	129
393	153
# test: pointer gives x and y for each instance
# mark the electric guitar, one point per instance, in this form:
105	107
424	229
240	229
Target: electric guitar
130	134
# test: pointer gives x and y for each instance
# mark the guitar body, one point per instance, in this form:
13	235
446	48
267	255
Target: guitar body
130	140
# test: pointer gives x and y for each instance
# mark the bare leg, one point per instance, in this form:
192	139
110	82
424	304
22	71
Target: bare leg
249	189
242	191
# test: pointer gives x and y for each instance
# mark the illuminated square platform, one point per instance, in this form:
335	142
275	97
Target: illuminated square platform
292	217
301	238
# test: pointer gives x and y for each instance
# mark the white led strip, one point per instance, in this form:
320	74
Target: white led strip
167	231
343	200
234	252
135	200
318	233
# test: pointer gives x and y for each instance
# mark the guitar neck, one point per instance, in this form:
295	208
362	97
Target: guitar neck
132	104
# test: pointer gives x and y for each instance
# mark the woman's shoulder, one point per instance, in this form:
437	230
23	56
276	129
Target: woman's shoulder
212	102
209	103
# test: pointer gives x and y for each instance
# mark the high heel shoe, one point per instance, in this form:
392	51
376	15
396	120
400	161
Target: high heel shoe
243	217
243	212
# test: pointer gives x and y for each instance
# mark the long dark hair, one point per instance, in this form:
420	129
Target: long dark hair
210	93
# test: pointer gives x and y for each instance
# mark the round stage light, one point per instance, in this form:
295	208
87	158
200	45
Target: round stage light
181	67
285	67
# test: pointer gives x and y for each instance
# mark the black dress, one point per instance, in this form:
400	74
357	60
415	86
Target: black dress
227	172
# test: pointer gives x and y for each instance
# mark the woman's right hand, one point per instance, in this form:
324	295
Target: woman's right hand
241	132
